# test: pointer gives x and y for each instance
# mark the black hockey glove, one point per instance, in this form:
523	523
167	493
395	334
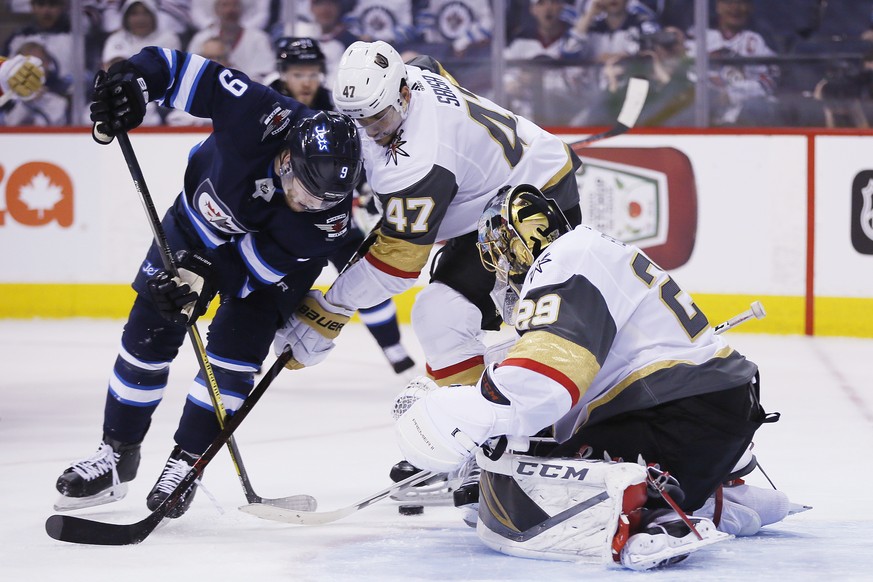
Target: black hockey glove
184	298
120	98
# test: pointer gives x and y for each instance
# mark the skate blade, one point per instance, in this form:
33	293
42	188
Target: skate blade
414	497
798	508
665	557
111	495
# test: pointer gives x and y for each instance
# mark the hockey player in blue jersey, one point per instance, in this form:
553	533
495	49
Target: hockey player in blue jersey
300	65
266	201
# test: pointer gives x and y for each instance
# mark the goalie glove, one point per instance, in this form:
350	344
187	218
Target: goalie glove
185	297
310	332
21	77
120	98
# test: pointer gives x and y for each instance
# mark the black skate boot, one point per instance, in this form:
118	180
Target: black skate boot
174	471
435	490
99	479
398	358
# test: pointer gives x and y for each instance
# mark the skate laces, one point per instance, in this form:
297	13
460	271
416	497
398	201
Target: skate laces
174	471
98	464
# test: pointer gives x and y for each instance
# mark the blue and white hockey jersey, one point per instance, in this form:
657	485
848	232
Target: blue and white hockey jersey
231	194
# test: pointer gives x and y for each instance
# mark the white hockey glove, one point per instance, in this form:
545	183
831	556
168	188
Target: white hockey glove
22	77
311	330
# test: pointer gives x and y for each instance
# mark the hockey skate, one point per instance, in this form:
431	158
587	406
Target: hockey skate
400	360
99	479
177	466
466	496
667	540
434	491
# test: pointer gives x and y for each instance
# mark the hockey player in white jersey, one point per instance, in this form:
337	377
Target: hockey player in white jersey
619	363
434	154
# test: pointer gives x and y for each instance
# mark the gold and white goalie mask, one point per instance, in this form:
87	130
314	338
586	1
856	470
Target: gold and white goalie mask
515	228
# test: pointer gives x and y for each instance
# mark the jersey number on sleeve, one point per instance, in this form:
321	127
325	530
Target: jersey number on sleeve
543	311
236	87
692	320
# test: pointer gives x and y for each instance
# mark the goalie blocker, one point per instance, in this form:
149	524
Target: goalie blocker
579	510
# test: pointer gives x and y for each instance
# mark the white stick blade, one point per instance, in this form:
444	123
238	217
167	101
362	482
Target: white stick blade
637	90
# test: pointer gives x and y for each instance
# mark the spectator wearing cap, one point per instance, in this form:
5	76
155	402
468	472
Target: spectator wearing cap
139	29
248	49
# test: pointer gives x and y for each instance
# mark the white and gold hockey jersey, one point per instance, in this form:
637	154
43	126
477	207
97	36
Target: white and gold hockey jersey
451	155
603	331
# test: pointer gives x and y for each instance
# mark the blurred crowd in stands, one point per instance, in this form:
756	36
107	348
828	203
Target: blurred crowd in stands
772	63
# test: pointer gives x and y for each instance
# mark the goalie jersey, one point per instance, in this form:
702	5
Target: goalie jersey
603	331
231	194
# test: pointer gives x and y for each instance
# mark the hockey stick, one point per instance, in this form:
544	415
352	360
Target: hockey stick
634	99
68	528
755	311
285	515
322	517
160	237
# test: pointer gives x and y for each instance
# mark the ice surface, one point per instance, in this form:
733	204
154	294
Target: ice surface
327	432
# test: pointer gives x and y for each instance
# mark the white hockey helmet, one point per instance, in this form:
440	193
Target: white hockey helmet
369	78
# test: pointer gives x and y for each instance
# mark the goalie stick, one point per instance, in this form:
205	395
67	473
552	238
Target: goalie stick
284	515
634	99
160	238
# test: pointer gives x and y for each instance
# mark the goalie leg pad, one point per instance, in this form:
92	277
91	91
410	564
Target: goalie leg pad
556	508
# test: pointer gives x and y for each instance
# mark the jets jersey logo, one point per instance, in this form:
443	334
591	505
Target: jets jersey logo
395	148
210	207
276	121
336	226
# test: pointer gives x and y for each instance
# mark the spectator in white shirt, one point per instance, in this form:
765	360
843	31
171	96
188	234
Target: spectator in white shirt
248	49
139	29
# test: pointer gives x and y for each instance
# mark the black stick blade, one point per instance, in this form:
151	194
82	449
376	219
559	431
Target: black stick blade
76	530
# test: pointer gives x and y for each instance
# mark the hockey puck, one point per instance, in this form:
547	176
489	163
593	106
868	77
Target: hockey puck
411	509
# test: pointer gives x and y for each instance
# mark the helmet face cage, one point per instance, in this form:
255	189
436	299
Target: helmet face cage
325	157
292	51
515	228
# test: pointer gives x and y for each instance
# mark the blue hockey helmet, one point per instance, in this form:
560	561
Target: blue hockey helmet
325	164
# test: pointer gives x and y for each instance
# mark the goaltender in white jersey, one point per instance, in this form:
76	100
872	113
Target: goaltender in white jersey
614	361
434	153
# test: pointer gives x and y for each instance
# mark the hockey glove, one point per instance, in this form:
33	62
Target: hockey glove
22	77
120	98
311	330
184	298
